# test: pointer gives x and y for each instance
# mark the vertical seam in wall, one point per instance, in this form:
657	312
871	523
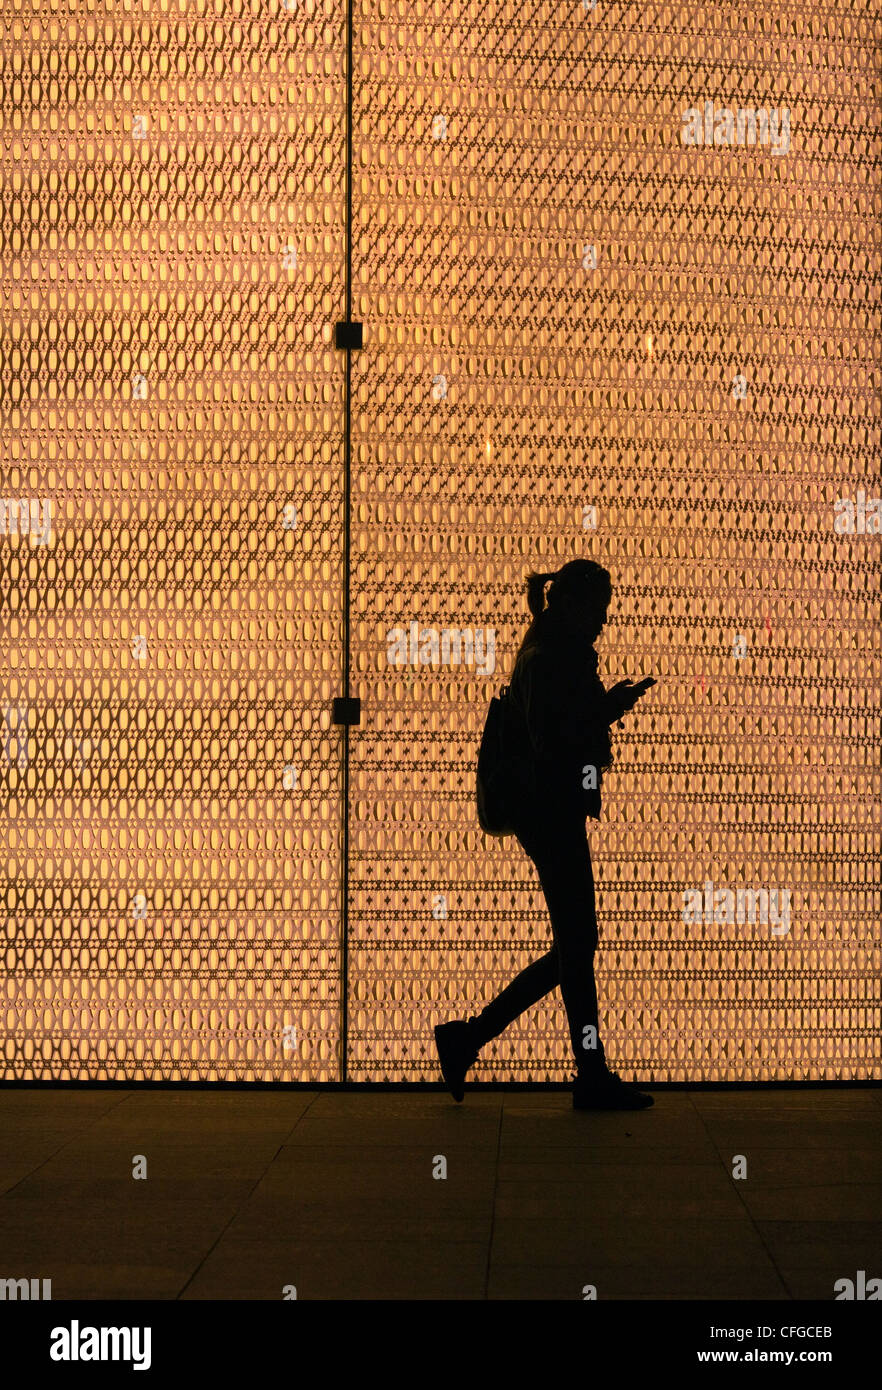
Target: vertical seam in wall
347	464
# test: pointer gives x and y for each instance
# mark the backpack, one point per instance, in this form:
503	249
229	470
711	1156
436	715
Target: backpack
499	781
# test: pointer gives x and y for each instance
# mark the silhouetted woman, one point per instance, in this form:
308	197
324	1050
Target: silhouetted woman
562	716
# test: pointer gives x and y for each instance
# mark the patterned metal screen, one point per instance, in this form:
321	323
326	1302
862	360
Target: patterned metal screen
587	336
618	271
172	260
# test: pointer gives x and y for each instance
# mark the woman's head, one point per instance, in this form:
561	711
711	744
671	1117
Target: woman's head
577	597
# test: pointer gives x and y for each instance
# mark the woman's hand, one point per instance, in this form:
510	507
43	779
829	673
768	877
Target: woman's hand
625	695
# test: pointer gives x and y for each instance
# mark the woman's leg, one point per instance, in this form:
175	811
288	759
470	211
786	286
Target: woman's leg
562	857
563	860
526	989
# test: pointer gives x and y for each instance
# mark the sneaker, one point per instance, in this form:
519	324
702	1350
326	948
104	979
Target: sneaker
457	1051
607	1091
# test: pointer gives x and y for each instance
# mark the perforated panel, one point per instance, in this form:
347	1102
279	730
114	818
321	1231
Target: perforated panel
585	334
172	262
572	309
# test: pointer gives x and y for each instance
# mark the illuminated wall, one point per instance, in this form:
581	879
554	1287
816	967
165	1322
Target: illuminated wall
173	254
584	334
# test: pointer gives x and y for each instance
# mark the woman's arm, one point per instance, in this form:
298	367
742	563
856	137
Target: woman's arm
564	704
624	696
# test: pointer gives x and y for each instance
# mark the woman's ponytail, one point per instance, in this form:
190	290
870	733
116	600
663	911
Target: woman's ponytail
580	583
536	592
